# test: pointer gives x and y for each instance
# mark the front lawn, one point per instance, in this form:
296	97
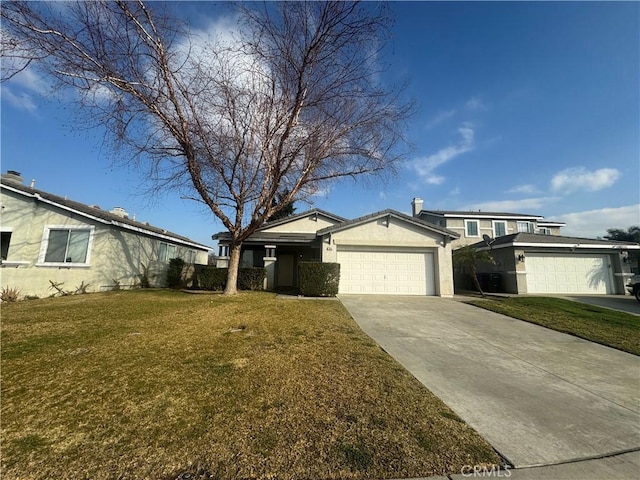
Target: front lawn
609	327
155	384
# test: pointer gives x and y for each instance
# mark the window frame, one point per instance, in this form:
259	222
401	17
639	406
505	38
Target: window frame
466	228
6	231
530	226
495	233
44	245
167	248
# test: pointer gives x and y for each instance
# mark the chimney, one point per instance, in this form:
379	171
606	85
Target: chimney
13	177
416	206
119	212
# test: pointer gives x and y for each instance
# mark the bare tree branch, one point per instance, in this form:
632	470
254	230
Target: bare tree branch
294	102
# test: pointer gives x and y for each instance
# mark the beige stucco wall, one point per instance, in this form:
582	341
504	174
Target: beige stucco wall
397	233
116	255
308	224
486	228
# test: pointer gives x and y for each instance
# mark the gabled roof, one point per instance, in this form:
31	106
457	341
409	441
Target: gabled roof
538	240
98	214
297	216
480	214
393	214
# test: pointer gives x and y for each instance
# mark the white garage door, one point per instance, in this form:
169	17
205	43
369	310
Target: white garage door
391	272
578	273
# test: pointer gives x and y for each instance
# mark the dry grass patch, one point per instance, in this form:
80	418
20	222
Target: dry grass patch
155	384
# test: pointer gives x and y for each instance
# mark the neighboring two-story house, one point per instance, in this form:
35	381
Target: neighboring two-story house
47	238
531	254
472	226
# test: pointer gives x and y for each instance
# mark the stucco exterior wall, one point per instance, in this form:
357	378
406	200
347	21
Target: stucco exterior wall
391	232
308	224
486	227
115	254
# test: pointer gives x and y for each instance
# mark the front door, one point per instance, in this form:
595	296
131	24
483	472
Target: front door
285	270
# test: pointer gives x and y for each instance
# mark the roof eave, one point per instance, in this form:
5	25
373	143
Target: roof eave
125	226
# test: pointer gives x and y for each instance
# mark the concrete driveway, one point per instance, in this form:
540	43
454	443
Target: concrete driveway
624	303
538	396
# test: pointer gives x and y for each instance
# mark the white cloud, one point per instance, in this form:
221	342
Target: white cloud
440	117
475	103
525	189
21	101
579	178
29	80
594	223
524	205
22	90
424	167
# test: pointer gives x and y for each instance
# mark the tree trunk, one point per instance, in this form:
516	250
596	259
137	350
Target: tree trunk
474	277
232	275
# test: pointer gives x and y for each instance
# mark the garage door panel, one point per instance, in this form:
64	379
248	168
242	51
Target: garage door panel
568	274
386	272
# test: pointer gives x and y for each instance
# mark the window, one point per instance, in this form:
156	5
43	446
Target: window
66	245
525	227
544	231
189	256
166	252
471	228
499	229
6	240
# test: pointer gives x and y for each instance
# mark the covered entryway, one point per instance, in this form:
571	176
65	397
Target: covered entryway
568	273
395	271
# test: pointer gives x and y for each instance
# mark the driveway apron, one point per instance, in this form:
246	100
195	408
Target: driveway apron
538	396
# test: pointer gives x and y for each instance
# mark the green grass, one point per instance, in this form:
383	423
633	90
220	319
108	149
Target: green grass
141	384
601	325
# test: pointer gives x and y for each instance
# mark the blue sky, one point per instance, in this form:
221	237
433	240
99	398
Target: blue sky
522	107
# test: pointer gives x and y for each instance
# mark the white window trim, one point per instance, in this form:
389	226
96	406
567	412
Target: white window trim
466	228
531	228
493	224
45	243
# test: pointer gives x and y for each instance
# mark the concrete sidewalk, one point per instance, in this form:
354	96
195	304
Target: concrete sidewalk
619	467
538	396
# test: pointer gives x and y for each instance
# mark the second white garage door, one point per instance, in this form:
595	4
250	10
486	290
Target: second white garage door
385	271
578	273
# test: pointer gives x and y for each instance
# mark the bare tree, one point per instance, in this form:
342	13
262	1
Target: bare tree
292	102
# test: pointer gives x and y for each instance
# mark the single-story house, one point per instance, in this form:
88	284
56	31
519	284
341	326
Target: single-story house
47	238
554	264
386	252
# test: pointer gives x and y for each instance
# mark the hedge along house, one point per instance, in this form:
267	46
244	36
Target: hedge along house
47	238
386	252
553	264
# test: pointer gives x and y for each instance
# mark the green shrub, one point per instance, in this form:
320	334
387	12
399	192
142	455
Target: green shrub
319	279
251	278
174	273
212	278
